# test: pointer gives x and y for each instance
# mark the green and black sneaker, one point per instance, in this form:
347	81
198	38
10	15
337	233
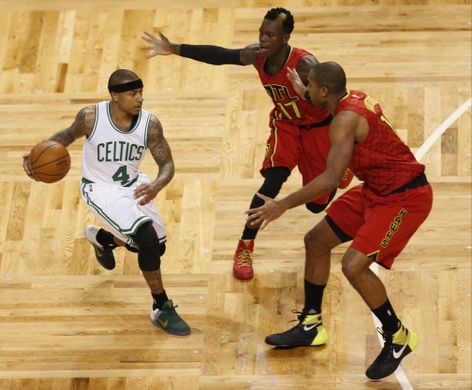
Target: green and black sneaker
169	321
104	256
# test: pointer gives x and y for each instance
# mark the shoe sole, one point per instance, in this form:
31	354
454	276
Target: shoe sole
408	350
378	378
170	331
322	336
294	345
243	277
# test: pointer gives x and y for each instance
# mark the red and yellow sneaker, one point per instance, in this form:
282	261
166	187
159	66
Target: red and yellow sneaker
242	267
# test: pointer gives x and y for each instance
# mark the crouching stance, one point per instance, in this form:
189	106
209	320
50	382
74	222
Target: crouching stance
379	217
117	134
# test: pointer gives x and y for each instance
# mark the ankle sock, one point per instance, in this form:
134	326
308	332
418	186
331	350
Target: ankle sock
249	234
313	297
388	318
159	300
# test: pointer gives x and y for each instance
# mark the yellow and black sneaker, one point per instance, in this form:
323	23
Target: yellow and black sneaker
169	321
397	345
309	332
104	256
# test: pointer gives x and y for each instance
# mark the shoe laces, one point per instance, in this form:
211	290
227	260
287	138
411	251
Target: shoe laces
387	348
300	316
170	311
244	258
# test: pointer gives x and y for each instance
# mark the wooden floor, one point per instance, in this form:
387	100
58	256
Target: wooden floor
66	323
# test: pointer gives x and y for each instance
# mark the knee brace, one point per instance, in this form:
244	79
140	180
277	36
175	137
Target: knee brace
162	249
149	258
316	208
274	179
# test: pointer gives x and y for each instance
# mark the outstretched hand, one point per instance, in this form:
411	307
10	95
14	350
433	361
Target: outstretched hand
268	212
160	46
296	81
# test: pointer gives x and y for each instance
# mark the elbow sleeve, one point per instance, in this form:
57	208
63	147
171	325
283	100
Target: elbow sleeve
213	55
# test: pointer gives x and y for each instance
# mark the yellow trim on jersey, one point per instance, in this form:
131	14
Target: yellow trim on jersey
276	141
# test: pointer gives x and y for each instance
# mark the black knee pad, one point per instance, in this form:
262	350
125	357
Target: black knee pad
149	258
273	181
162	249
316	208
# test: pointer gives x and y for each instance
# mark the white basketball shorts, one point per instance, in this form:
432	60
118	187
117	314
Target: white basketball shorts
118	211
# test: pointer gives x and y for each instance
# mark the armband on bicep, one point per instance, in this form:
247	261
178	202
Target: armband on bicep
214	55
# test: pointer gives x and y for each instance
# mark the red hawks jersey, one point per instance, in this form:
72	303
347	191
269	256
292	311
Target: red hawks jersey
289	106
382	160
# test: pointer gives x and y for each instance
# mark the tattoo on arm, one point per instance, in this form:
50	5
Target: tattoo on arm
161	152
82	126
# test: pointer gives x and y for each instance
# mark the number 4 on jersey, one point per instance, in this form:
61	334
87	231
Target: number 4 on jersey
121	175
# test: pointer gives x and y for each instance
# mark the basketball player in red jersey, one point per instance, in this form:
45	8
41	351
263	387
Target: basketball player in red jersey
379	217
299	131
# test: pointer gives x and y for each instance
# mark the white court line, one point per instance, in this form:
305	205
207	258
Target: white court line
441	129
399	373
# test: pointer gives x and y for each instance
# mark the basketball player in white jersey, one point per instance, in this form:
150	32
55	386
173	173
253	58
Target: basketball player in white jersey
117	134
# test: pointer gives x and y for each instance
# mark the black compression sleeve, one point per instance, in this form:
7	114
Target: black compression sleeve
214	55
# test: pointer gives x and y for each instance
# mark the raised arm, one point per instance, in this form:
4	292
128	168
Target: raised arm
214	55
162	155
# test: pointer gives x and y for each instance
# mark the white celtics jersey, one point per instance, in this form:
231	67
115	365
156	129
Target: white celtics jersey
111	155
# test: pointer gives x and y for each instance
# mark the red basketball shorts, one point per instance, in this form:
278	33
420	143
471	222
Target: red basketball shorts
381	226
289	146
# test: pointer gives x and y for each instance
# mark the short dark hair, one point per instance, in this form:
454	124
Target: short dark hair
331	75
284	15
121	76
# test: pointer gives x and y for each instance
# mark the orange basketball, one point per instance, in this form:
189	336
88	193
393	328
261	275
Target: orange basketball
49	161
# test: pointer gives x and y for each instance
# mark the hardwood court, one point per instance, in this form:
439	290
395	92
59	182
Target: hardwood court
66	323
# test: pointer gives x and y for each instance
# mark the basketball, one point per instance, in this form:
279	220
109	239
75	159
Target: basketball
49	161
